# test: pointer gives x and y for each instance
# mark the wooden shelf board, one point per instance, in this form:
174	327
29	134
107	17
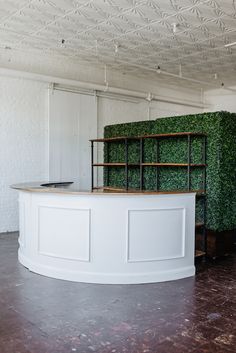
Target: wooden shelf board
199	225
199	253
121	138
122	164
175	134
109	165
115	164
172	165
148	191
198	192
116	139
109	188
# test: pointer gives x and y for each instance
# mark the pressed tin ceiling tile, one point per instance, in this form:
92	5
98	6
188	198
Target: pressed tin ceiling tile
134	35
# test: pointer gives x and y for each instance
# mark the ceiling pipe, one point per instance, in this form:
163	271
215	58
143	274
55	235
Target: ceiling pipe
86	86
230	45
229	89
131	95
181	77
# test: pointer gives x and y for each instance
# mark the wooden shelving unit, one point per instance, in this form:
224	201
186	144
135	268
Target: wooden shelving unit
200	227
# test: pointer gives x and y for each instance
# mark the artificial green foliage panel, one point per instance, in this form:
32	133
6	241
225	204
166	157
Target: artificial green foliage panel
220	128
208	123
227	170
129	129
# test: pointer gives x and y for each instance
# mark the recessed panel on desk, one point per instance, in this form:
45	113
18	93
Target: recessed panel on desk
64	232
156	234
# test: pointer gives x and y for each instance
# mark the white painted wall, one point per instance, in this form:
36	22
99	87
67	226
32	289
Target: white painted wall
221	99
23	141
72	122
24	121
162	110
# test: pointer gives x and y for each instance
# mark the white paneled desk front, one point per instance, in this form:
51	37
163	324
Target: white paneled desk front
106	237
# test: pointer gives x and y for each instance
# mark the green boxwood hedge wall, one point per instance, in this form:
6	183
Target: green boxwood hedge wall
220	128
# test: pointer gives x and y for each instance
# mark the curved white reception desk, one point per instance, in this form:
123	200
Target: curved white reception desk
106	237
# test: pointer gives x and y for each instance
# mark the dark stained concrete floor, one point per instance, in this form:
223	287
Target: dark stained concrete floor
43	315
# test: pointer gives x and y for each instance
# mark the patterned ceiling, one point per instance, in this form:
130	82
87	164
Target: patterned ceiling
133	36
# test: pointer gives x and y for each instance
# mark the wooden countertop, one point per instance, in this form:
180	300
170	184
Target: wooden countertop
74	188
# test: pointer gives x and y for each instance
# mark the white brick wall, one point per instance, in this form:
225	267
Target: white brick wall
23	141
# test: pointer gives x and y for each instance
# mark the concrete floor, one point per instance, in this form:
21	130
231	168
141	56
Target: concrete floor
39	314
